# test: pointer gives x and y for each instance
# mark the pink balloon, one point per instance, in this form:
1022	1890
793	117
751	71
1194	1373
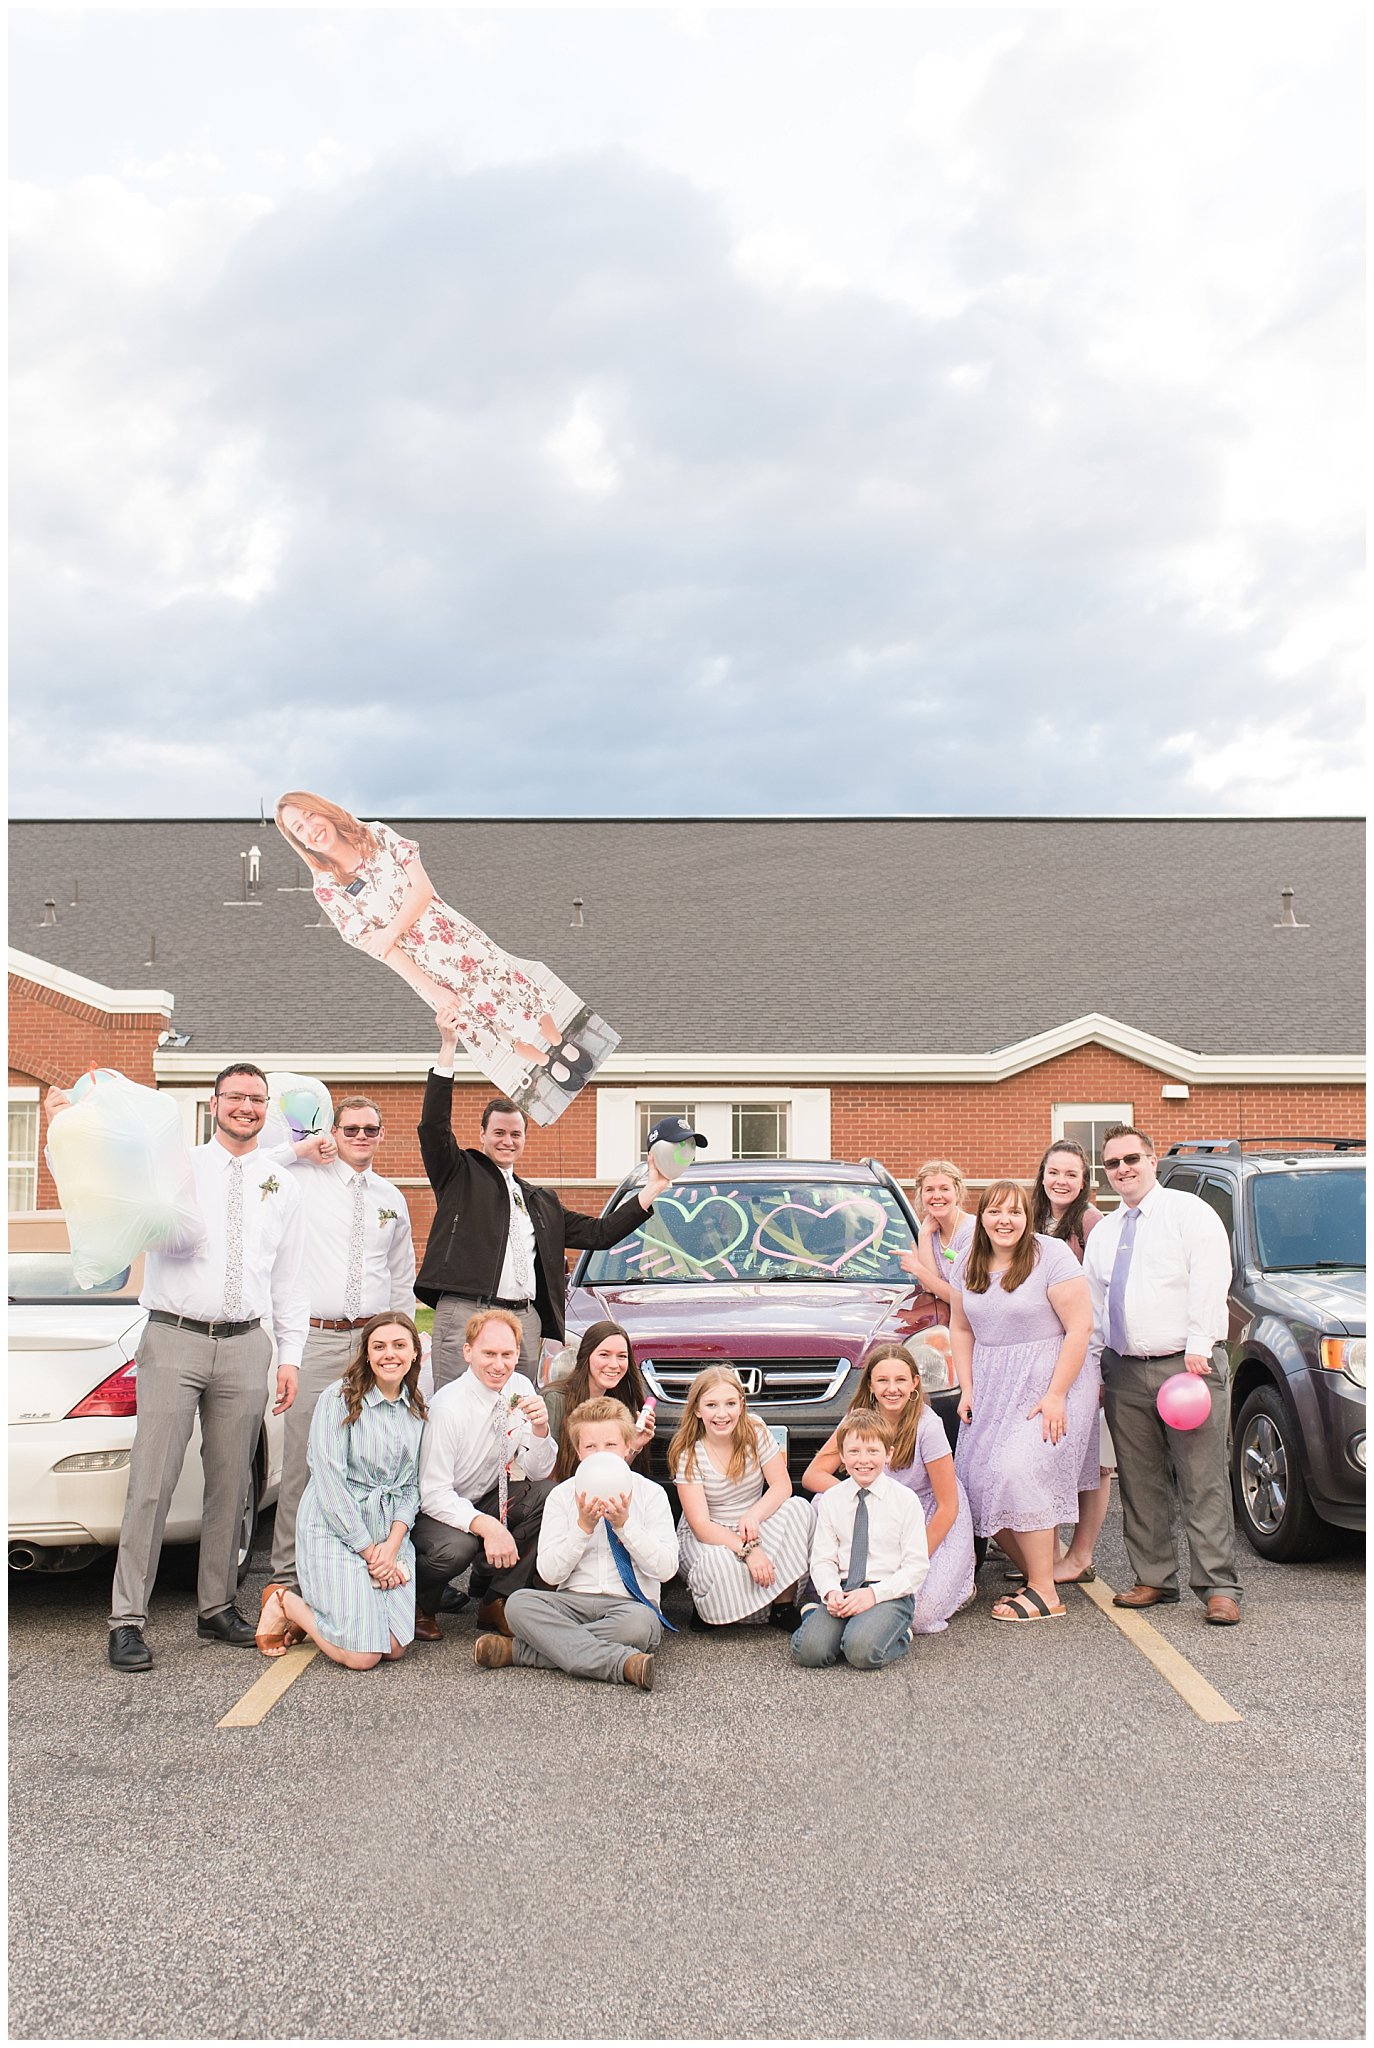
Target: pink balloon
1184	1401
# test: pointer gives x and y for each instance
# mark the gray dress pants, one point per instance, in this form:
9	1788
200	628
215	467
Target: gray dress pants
590	1635
451	1315
182	1374
323	1363
1148	1453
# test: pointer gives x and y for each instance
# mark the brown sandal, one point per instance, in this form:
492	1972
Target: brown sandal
276	1645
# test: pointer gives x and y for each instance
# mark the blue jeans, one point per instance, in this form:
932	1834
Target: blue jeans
878	1636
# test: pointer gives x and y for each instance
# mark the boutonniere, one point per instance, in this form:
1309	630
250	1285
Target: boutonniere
386	1216
270	1186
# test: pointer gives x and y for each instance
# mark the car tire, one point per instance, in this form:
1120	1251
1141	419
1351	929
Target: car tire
181	1561
1273	1507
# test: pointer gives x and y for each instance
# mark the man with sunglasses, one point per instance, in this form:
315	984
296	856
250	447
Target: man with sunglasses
1159	1268
360	1260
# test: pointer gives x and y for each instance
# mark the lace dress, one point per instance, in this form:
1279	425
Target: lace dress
949	1582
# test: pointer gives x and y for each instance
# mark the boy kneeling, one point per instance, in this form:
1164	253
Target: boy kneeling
868	1556
607	1556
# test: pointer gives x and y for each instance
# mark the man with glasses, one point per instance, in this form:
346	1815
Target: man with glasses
206	1352
361	1261
1159	1268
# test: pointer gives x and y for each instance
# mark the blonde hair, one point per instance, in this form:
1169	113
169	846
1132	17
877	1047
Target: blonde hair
908	1422
682	1451
476	1324
949	1170
602	1409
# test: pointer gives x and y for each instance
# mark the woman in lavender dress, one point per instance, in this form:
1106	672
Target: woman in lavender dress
946	1228
1021	1324
921	1459
1063	1209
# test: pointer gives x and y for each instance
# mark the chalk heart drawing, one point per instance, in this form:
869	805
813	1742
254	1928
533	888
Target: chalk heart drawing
730	1222
789	1239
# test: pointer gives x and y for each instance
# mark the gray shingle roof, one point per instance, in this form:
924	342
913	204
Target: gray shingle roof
819	935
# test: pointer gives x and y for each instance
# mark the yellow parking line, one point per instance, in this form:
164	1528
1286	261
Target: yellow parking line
1191	1687
260	1698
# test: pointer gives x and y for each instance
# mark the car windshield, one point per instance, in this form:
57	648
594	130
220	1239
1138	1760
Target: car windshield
762	1230
1307	1221
49	1276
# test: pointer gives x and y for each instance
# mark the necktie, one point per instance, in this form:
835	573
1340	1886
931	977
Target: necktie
499	1414
524	1277
233	1245
624	1564
858	1545
1116	1287
353	1285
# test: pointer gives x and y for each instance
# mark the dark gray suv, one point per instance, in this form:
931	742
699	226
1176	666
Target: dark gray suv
1295	1212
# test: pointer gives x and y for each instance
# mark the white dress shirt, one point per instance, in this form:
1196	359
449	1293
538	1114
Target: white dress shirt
898	1559
459	1460
1179	1275
326	1193
275	1287
517	1282
578	1563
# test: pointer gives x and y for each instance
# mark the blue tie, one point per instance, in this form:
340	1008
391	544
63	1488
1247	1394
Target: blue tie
1116	1287
625	1566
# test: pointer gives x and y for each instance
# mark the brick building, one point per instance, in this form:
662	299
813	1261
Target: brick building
801	988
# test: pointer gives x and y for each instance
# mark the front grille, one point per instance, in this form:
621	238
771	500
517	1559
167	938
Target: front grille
777	1380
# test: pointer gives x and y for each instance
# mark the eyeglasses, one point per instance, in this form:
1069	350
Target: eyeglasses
360	1130
1125	1159
257	1101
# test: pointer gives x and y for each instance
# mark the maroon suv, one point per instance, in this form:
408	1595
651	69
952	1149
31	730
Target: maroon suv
788	1270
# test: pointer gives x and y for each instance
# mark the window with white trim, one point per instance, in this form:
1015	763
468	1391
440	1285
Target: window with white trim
737	1123
759	1130
1085	1123
23	1120
651	1113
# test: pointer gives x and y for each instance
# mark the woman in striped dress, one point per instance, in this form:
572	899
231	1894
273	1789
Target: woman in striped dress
353	1549
744	1538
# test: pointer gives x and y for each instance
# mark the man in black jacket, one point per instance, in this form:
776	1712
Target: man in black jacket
497	1241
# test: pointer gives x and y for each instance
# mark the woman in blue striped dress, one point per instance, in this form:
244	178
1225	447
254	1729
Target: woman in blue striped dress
353	1550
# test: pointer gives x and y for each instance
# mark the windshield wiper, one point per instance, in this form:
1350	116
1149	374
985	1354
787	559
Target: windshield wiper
1321	1266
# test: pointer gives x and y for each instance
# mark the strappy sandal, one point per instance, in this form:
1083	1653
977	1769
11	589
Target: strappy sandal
276	1645
1012	1609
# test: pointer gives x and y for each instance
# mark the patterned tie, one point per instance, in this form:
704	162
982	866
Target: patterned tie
858	1545
1116	1287
233	1245
524	1277
353	1285
625	1565
499	1414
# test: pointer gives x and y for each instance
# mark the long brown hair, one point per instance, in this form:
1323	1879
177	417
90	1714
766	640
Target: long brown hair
905	1427
577	1388
1070	1224
358	1379
690	1431
350	830
978	1275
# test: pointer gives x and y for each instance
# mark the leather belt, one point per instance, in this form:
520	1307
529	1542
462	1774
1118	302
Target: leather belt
497	1301
339	1322
163	1315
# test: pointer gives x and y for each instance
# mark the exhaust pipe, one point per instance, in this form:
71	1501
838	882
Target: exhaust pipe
22	1557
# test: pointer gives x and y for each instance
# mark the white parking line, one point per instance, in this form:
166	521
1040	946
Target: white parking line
1191	1687
260	1698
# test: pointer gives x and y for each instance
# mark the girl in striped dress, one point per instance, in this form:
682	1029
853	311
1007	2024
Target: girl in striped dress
353	1549
744	1538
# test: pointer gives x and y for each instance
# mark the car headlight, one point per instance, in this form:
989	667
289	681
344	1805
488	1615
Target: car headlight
1344	1354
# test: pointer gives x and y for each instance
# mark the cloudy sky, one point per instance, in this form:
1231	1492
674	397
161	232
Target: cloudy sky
682	411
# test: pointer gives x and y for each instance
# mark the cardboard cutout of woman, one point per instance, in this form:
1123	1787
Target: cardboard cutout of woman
532	1037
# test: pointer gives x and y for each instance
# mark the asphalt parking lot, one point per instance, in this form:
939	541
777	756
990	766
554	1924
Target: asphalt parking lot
1017	1832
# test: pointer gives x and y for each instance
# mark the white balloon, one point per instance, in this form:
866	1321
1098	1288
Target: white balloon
124	1177
603	1476
296	1104
670	1158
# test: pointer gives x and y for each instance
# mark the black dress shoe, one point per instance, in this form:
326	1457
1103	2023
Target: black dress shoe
128	1651
228	1626
452	1601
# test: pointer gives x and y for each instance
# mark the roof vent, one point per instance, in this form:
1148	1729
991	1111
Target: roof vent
1288	922
49	912
577	916
76	894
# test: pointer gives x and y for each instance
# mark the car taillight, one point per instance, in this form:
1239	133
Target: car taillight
117	1395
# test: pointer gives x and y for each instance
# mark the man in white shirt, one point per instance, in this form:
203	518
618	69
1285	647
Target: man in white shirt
1159	1268
360	1258
607	1554
205	1351
485	1460
869	1557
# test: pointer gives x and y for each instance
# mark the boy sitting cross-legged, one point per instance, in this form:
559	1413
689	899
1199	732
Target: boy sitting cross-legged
606	1555
868	1556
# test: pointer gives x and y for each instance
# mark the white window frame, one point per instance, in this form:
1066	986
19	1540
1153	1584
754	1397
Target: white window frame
189	1101
25	1095
617	1122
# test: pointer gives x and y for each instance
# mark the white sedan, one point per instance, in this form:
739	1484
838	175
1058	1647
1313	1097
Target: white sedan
73	1394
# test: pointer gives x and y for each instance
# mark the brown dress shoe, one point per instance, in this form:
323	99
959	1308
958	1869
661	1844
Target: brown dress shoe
1145	1596
493	1653
639	1670
427	1629
1222	1611
492	1615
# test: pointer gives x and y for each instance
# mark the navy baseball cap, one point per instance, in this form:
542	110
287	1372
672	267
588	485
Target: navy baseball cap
672	1130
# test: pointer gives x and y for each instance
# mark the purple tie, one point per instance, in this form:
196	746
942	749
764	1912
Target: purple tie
1116	1289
